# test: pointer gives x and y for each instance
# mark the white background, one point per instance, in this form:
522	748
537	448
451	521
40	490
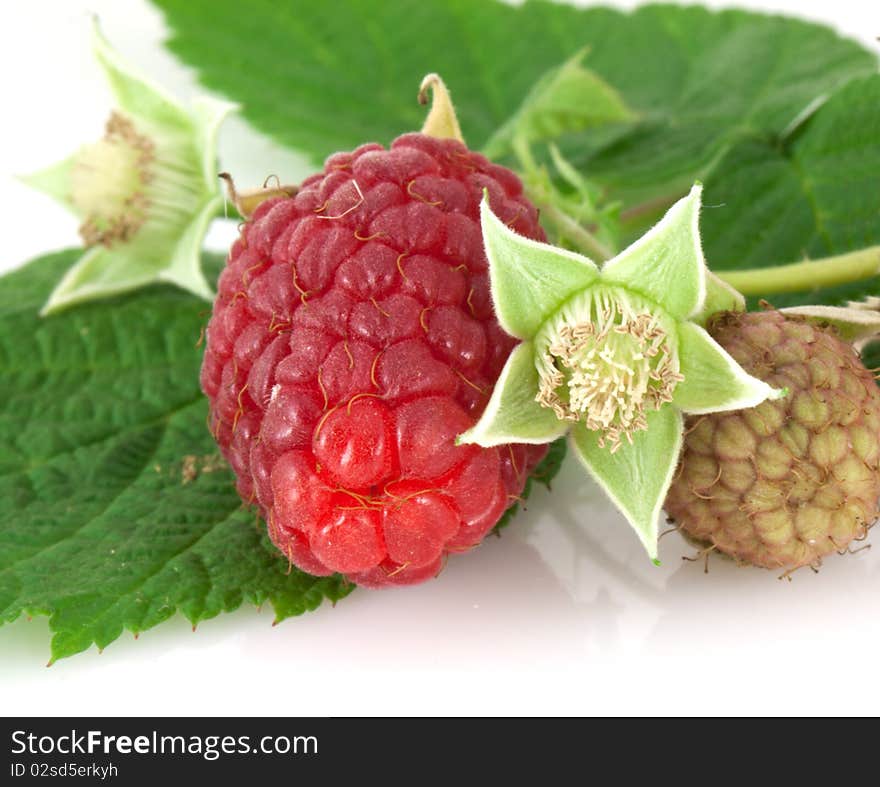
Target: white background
563	614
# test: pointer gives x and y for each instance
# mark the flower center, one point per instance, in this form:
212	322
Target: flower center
607	360
108	182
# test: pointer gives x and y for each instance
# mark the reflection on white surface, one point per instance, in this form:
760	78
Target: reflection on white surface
564	613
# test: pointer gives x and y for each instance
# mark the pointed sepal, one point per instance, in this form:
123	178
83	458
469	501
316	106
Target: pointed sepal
54	181
666	265
100	273
184	266
851	324
529	280
637	475
208	115
713	381
512	414
720	297
134	93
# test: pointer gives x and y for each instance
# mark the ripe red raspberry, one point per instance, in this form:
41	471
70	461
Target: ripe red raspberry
352	340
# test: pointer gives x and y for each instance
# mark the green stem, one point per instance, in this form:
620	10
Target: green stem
524	157
803	276
542	193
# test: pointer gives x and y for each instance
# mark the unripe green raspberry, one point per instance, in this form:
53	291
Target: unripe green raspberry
783	484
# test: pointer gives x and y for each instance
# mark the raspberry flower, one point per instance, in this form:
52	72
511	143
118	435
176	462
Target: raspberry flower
145	193
612	356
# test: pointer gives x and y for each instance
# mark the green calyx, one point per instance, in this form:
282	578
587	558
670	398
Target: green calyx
612	356
145	193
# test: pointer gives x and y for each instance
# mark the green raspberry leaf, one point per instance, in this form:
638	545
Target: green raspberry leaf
529	280
666	264
636	476
512	414
567	99
817	195
549	466
119	510
698	80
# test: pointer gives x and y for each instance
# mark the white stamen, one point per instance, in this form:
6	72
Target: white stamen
126	181
606	362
